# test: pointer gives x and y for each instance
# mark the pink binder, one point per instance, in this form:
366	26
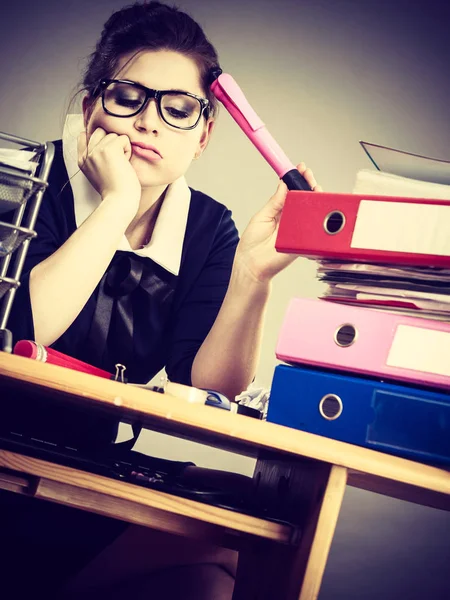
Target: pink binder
366	340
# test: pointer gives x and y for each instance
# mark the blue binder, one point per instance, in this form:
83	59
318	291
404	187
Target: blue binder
403	420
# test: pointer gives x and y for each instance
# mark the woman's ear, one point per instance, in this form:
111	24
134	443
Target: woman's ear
87	108
204	139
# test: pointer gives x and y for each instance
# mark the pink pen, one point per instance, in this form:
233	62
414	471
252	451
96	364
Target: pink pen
230	94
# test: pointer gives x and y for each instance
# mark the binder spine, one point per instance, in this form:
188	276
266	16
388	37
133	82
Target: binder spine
403	420
367	341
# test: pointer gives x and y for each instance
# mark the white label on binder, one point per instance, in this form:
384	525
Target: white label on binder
420	349
403	227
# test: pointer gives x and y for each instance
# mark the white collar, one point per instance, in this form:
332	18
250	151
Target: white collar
166	243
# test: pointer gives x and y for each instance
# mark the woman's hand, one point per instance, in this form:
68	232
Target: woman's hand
105	160
256	250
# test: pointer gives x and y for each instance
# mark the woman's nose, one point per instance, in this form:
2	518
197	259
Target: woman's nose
148	119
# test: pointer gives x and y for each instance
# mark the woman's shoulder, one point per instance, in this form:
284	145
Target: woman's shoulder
201	201
210	226
206	211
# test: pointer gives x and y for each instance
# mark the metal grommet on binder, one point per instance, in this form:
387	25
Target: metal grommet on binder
345	335
331	407
334	222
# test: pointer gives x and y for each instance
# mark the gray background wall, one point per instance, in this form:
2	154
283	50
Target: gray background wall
322	74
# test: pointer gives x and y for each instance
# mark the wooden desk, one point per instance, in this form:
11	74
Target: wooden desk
305	473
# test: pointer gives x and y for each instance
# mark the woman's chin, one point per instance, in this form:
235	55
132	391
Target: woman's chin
148	177
155	179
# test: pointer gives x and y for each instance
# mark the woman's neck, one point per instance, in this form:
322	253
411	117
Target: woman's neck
140	230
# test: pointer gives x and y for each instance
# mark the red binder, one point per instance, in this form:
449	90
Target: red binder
383	229
42	353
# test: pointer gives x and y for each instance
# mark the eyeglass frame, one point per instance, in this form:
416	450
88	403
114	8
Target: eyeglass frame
149	94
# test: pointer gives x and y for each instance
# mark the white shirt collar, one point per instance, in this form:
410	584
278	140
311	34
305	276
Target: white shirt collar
166	244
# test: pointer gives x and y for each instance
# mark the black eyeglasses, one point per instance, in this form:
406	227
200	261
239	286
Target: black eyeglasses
122	98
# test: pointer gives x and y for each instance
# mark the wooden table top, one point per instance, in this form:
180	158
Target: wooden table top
368	469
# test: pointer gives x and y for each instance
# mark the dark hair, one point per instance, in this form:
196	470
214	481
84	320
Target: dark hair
150	26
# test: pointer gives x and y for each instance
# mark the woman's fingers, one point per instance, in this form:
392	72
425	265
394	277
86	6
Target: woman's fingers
275	205
101	140
125	144
82	148
97	137
308	175
86	145
104	158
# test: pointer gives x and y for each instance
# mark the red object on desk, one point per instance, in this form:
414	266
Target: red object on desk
366	228
30	349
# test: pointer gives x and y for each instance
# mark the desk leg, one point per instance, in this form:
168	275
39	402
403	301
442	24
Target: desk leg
268	570
314	547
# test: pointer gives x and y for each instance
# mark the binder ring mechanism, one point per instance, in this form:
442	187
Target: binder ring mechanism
334	222
345	335
331	407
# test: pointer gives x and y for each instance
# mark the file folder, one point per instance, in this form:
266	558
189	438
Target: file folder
366	340
366	228
397	419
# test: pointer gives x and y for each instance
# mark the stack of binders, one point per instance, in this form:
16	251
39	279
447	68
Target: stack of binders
374	373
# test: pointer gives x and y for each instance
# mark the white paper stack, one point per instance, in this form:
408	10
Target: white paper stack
25	160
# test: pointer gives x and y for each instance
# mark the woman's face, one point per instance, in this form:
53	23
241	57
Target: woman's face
159	70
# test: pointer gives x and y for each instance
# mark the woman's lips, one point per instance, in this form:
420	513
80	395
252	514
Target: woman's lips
146	153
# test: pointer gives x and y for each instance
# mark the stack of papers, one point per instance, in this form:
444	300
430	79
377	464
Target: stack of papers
25	160
418	291
412	290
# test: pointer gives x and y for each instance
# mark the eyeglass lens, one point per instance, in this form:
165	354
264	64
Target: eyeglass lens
179	110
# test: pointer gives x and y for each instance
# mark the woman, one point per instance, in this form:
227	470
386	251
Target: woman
149	273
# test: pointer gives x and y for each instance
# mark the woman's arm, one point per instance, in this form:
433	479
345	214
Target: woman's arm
61	284
228	358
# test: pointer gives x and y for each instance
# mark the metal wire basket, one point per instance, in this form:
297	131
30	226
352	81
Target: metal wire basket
16	187
7	284
21	193
12	236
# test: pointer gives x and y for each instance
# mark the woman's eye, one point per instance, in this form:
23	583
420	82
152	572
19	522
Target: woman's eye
128	102
177	113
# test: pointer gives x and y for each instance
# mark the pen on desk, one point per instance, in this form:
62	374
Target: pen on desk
227	91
